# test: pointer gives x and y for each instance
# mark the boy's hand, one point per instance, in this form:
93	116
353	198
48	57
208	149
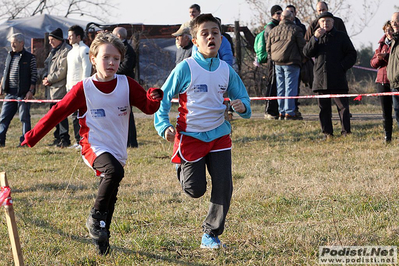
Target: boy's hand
170	133
155	95
238	106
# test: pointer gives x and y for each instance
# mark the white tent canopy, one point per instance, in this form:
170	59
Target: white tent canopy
36	27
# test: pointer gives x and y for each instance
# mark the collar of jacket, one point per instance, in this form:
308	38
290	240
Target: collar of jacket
382	40
210	64
80	43
331	32
275	22
54	50
286	21
188	46
20	53
387	41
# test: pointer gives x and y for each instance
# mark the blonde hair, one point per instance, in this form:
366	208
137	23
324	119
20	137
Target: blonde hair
106	38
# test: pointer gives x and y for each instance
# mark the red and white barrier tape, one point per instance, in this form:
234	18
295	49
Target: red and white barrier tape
358	97
30	101
5	196
366	68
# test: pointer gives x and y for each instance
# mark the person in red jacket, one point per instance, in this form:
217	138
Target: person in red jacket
380	62
104	102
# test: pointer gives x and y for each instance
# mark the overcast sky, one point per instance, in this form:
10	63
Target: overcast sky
176	12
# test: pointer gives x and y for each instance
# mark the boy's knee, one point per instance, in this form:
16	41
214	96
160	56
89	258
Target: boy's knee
194	191
116	171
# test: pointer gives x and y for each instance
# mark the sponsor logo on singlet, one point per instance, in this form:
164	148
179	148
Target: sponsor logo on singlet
201	88
222	89
122	110
97	113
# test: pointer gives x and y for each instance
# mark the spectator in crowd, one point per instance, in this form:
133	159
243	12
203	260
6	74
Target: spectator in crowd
298	22
184	44
18	83
271	108
332	50
226	35
284	45
79	68
55	72
201	137
194	11
393	63
320	8
127	68
226	51
380	62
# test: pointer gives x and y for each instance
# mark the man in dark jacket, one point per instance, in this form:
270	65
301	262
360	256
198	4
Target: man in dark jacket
127	68
334	55
297	21
285	45
271	108
18	83
320	8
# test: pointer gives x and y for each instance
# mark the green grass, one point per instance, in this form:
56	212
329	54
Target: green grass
293	192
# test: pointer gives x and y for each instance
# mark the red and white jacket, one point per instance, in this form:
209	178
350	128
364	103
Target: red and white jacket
381	65
109	101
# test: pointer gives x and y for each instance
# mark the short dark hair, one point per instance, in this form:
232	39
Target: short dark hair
196	6
322	2
291	6
200	20
78	30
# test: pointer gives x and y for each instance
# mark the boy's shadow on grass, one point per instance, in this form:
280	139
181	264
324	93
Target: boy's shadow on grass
154	256
41	223
51	186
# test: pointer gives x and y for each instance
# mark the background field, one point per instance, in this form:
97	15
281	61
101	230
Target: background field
293	192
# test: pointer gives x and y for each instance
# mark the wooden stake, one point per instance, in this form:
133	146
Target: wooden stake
12	227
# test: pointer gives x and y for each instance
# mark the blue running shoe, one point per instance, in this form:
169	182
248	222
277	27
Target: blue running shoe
211	242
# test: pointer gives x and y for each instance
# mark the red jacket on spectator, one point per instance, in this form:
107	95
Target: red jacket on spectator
381	65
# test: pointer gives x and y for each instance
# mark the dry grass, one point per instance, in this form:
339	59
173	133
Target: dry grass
292	193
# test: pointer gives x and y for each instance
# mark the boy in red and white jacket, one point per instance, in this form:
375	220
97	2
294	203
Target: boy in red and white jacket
104	102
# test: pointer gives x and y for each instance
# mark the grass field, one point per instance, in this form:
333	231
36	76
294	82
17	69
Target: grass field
293	192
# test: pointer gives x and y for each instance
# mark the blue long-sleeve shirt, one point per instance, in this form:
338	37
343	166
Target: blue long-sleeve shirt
178	82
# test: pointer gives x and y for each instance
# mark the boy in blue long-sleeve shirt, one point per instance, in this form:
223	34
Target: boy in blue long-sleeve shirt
201	137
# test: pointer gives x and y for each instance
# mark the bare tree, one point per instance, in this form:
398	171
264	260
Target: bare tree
356	18
98	9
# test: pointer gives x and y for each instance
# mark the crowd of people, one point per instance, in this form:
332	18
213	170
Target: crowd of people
96	86
286	47
66	64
